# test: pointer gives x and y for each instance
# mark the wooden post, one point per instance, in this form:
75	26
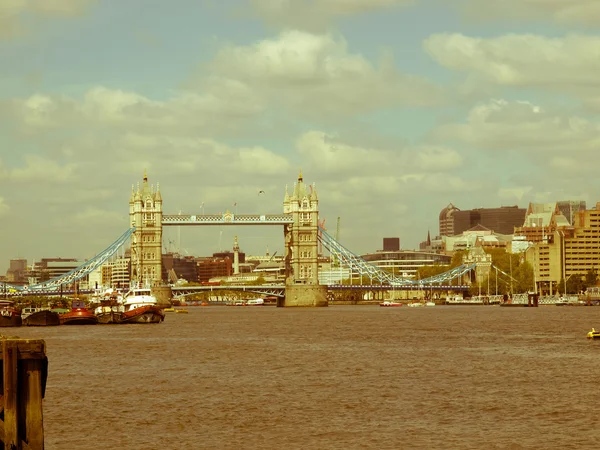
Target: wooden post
24	371
11	423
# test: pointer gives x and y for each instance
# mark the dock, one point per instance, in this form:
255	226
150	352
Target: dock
24	374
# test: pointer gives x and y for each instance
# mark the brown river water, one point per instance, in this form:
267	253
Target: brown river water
343	377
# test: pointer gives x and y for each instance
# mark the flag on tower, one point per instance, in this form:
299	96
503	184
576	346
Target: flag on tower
235	204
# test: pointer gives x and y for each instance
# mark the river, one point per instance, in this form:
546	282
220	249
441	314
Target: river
343	377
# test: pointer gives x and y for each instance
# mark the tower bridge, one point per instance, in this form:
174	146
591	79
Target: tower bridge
301	233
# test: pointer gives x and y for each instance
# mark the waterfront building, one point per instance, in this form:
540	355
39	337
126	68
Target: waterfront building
404	263
541	220
476	236
211	267
391	244
446	220
566	251
17	272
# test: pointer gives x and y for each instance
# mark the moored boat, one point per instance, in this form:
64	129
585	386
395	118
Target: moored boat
9	315
182	310
111	309
43	317
141	307
388	303
255	302
78	315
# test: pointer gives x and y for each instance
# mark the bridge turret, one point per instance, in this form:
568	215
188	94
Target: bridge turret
146	247
301	248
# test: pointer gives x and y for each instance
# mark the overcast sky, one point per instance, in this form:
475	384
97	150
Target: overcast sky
394	108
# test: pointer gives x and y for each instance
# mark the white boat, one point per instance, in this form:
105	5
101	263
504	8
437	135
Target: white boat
255	302
387	303
429	304
141	307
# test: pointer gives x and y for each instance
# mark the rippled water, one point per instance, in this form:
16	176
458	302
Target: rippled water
343	377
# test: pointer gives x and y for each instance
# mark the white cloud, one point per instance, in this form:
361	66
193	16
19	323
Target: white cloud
4	208
12	12
39	169
585	12
316	75
568	64
340	156
517	193
505	125
223	108
316	15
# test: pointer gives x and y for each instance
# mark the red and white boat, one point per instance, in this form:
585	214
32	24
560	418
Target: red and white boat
389	304
78	315
141	307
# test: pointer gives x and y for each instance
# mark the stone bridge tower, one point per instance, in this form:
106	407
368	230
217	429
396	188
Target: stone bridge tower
301	247
145	214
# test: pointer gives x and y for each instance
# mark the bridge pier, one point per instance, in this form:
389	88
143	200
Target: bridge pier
163	294
306	295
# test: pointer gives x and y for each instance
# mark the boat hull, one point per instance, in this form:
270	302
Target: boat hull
14	320
42	319
143	314
78	318
110	317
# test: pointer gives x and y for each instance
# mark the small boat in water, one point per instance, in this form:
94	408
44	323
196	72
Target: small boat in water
9	315
78	315
169	310
389	304
593	334
40	317
141	307
182	311
255	302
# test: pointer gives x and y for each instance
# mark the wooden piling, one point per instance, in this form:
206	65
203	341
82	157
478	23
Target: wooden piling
24	373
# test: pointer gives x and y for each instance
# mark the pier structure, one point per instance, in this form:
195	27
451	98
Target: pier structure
24	374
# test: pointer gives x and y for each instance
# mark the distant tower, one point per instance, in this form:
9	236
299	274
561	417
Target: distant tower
145	214
301	247
236	256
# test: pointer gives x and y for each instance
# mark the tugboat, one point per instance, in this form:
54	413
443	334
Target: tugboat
9	315
593	334
141	307
78	315
110	309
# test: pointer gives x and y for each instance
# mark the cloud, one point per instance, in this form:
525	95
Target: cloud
341	156
315	75
13	13
316	15
223	108
4	208
514	193
567	64
583	12
520	125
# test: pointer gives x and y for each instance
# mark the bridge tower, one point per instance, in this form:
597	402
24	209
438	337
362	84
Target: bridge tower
145	214
301	247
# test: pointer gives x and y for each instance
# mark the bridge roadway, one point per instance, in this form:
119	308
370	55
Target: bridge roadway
276	290
226	219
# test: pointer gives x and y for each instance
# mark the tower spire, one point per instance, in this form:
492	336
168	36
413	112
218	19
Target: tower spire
145	175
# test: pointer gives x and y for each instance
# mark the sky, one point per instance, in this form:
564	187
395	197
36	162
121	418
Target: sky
393	108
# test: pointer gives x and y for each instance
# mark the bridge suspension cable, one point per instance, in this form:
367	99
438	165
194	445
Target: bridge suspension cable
79	272
353	261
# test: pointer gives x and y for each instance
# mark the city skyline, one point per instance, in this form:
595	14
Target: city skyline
393	108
